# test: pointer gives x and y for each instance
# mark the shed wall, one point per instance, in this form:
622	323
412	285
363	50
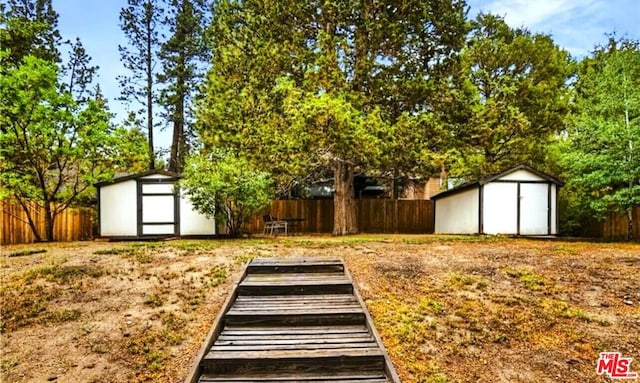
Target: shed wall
500	208
522	175
458	213
192	222
118	209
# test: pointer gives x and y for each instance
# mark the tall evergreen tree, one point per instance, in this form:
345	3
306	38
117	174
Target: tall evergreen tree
141	21
602	150
183	57
31	28
79	72
520	97
299	85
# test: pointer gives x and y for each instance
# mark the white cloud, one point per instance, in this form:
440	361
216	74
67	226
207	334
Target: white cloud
533	14
575	25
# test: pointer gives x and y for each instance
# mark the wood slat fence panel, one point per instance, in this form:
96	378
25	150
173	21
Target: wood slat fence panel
374	215
615	226
74	224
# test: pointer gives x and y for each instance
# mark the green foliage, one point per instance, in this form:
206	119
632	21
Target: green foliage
602	148
332	79
52	149
140	21
55	140
29	29
131	148
519	97
225	186
182	55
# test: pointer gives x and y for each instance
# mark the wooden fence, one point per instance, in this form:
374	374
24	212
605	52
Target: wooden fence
374	215
73	224
614	227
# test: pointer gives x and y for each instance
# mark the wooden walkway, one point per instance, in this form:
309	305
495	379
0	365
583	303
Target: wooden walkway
294	320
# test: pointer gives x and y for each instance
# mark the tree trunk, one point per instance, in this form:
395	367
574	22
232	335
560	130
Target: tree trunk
178	144
49	220
149	88
176	161
345	218
32	224
630	224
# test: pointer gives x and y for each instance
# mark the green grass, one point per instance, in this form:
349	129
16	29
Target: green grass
114	251
217	275
190	247
460	281
61	274
529	279
440	238
25	252
244	258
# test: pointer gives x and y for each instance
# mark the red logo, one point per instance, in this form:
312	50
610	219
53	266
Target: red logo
615	366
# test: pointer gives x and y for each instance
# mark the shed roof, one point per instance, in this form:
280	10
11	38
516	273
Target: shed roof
485	180
133	176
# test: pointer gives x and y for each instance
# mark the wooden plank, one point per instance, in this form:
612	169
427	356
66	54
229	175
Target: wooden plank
295	298
296	308
328	319
318	339
296	261
274	348
329	337
300	365
293	354
293	278
328	268
232	330
294	380
366	377
295	289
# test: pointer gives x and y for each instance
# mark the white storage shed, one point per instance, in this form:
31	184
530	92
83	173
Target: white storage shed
148	204
520	201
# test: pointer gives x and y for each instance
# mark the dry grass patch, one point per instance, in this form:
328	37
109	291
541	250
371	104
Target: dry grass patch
448	308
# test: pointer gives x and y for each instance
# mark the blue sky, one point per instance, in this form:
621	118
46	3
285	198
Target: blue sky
576	25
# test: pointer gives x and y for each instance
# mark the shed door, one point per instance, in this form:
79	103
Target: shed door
534	208
158	209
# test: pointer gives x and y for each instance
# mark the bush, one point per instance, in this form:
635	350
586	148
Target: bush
227	187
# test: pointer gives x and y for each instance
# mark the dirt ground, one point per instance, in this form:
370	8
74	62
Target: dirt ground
449	309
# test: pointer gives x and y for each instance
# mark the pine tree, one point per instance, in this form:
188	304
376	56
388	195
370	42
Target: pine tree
141	21
31	28
183	56
300	86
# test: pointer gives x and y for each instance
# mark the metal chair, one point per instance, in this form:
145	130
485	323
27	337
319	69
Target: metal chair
273	225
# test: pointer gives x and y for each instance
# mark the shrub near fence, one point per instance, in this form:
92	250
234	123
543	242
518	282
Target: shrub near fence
374	215
73	224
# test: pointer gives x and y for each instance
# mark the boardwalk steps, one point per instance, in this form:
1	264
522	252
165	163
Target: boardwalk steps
294	320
